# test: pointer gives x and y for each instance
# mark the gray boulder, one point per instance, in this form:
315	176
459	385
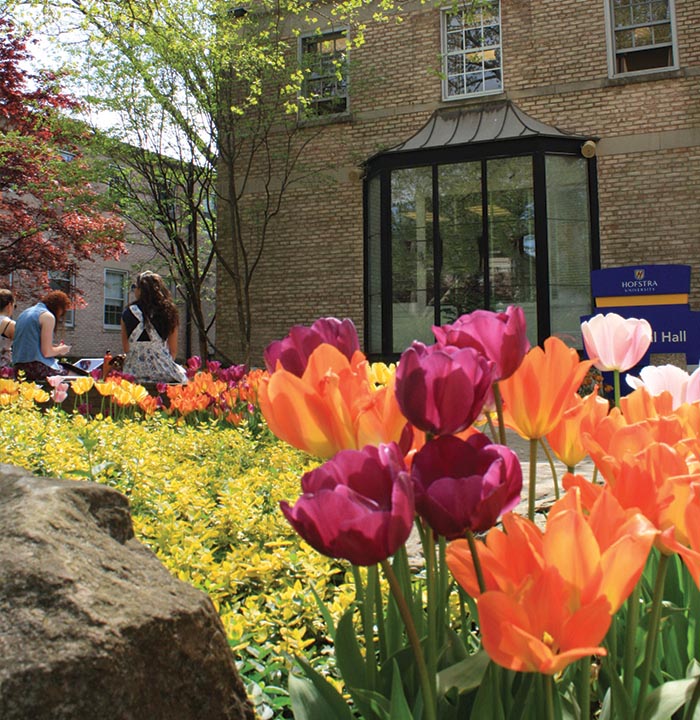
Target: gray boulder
92	625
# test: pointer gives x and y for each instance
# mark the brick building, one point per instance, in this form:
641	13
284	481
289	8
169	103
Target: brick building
470	159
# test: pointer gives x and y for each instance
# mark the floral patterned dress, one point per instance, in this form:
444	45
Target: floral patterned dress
150	360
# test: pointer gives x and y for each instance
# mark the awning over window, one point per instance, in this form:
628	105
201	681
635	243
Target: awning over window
486	123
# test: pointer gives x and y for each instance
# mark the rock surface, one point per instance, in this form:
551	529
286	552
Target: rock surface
92	625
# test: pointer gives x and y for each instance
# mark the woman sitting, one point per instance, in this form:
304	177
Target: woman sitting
7	327
149	332
33	349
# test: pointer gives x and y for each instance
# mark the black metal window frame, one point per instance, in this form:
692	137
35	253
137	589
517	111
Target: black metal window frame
535	147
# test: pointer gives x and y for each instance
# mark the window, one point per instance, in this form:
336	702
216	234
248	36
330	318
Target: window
115	297
642	35
64	280
324	63
471	50
451	227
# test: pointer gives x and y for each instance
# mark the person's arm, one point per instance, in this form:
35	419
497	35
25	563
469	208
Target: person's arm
47	322
172	343
9	330
125	337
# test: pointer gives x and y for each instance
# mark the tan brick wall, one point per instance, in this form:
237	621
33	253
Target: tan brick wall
556	69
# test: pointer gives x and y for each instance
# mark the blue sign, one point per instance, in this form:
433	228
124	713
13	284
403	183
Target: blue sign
640	280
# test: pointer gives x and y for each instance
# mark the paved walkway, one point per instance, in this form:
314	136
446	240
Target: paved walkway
545	495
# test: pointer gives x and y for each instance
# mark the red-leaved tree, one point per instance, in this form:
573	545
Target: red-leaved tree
51	217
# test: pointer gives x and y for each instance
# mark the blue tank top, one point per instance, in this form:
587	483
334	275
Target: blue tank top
26	345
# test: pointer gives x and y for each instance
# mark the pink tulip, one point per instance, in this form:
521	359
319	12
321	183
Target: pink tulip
668	378
59	392
614	342
465	485
293	352
500	336
358	506
442	390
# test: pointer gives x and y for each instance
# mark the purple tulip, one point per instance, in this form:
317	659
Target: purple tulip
465	485
500	336
293	352
442	390
357	506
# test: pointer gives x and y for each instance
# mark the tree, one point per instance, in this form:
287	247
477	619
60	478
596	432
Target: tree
228	82
50	215
170	199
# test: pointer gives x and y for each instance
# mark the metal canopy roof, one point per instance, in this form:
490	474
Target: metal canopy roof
487	123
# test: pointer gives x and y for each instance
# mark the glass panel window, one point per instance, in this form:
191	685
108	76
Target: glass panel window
511	228
412	273
471	42
568	232
642	35
325	68
64	280
374	264
461	224
115	297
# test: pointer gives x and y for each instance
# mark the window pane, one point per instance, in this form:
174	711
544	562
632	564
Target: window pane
511	227
478	46
324	65
462	276
413	302
374	266
568	229
455	41
643	26
115	296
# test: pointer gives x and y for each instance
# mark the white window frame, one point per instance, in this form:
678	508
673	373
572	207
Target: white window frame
307	110
123	299
65	281
612	49
445	54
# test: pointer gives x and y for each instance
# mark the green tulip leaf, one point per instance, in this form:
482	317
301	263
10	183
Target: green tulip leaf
314	698
375	701
465	675
667	698
399	706
325	613
347	652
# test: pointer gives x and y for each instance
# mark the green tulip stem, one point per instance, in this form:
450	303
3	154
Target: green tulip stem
552	467
630	639
430	711
533	479
433	602
364	602
549	696
492	429
652	634
476	561
616	386
499	414
584	697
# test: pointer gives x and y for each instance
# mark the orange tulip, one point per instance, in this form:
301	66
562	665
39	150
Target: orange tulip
691	554
333	406
550	596
641	405
537	394
582	416
654	482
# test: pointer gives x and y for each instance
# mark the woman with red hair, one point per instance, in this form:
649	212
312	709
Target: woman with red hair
33	349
